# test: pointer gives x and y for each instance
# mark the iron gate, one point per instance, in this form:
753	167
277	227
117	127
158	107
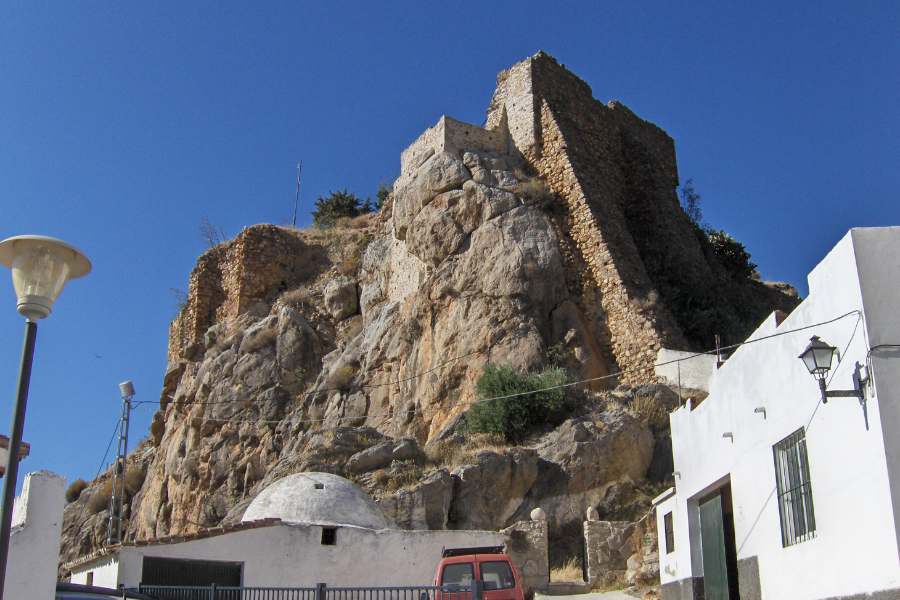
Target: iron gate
320	592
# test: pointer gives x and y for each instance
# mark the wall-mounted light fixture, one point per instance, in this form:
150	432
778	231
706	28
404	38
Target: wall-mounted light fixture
760	410
728	435
818	357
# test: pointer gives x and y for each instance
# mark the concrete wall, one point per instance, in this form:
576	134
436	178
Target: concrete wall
855	549
691	371
34	543
291	555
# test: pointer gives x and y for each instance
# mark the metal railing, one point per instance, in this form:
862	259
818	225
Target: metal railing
320	592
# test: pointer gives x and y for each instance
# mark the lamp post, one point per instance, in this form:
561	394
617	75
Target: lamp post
40	268
817	358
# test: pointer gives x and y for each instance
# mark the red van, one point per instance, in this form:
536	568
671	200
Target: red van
460	567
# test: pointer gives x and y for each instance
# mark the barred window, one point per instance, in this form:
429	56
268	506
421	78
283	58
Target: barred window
795	503
670	533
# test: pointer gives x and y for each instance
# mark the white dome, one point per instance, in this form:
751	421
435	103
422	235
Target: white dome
319	498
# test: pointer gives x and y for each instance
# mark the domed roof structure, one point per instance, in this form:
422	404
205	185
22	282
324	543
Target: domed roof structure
318	498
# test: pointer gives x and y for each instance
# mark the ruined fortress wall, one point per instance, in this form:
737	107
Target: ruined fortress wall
450	135
260	263
576	145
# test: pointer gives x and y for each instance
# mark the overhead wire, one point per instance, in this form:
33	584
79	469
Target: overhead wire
530	392
102	463
339	389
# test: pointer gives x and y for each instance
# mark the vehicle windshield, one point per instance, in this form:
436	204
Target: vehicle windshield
496	575
460	574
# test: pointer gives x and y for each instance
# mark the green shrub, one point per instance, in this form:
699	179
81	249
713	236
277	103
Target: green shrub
73	492
731	254
515	417
339	205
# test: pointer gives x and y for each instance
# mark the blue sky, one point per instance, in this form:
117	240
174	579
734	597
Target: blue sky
123	124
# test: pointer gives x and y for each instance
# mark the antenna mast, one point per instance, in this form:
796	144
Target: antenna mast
117	497
297	195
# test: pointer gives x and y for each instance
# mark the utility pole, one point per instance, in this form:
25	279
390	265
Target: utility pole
117	497
297	195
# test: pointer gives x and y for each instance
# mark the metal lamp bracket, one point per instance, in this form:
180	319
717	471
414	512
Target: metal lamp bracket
860	380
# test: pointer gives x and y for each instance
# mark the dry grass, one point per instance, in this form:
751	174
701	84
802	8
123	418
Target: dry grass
73	492
452	454
401	476
534	190
649	411
99	499
296	296
568	571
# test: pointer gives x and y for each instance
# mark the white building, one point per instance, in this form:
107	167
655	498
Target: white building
34	540
302	530
781	496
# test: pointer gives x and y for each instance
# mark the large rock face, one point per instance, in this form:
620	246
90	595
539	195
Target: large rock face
552	237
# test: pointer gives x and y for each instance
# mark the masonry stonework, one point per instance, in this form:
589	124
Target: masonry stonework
260	263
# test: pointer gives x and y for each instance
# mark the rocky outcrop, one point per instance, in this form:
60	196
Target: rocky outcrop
553	236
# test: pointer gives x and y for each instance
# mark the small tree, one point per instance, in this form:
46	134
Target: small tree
532	403
690	203
731	254
338	205
381	195
210	234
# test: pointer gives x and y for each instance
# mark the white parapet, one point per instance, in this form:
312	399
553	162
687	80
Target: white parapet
34	543
687	369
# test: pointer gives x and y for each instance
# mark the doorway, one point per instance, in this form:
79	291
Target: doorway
180	571
717	546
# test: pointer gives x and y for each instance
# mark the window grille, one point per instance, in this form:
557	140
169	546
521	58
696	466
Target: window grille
670	533
795	503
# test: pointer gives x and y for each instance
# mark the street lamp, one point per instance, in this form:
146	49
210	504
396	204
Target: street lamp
817	358
40	268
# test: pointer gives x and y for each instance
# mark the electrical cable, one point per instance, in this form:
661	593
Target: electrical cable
102	463
325	390
567	384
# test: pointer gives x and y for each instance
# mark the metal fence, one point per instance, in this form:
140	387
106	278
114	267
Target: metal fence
320	592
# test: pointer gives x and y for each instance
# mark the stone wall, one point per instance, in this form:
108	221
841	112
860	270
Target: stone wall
260	263
450	135
527	546
647	275
584	150
608	546
621	553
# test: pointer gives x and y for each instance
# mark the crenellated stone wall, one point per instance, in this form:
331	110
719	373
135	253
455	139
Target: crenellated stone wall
259	264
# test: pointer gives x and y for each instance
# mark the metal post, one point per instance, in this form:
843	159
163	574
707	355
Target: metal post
477	589
212	591
15	441
117	498
320	591
297	195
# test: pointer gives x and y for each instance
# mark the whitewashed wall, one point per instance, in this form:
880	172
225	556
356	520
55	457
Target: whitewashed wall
291	555
694	373
856	545
668	561
34	543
